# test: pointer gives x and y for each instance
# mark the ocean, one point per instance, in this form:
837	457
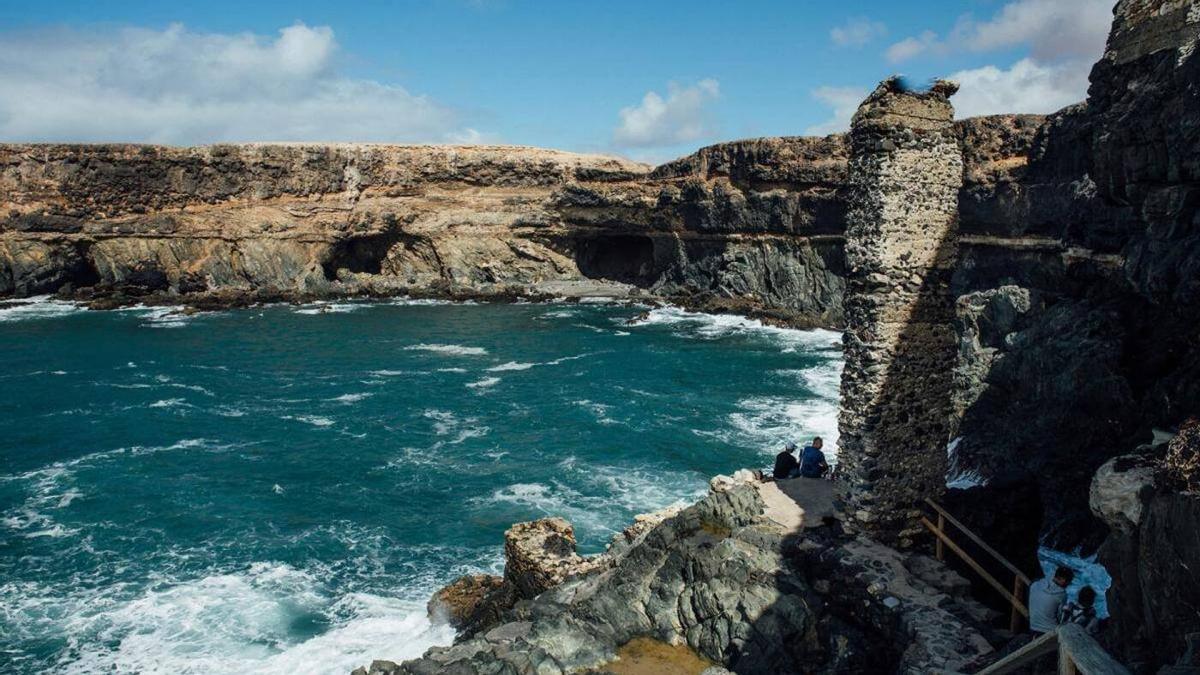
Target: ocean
280	489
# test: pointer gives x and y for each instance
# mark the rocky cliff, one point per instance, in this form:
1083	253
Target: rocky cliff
754	231
1080	284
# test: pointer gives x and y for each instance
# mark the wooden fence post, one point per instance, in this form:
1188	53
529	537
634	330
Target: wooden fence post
1014	623
941	552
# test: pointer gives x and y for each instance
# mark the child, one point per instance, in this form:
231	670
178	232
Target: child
1082	612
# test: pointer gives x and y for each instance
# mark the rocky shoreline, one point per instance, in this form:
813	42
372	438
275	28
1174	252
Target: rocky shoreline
1039	276
755	577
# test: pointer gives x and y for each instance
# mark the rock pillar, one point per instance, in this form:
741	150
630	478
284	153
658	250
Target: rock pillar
902	221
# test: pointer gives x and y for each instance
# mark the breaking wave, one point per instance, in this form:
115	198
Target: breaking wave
453	350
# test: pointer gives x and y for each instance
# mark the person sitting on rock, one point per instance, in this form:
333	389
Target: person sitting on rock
1082	611
1046	598
785	463
812	462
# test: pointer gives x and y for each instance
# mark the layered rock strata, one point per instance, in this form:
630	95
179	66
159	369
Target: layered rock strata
901	246
749	226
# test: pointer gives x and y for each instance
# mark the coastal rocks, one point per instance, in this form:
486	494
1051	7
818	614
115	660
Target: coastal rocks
748	226
907	602
984	321
539	555
464	602
1154	594
901	248
1096	218
713	578
722	582
1181	468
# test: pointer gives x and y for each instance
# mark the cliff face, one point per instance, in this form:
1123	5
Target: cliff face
289	217
337	220
1081	292
1076	285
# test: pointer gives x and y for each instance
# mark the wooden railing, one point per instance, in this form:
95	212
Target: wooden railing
1078	654
1020	581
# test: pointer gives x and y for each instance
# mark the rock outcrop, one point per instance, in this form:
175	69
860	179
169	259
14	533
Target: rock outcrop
730	585
1088	231
901	247
1152	552
539	555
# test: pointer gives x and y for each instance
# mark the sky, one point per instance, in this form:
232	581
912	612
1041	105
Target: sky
649	80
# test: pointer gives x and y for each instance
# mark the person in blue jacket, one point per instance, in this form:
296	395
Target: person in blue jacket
812	461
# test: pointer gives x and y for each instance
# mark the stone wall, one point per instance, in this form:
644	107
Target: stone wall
901	244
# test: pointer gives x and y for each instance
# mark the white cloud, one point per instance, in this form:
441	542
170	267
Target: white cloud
912	46
843	101
1053	29
857	32
182	87
1027	87
681	117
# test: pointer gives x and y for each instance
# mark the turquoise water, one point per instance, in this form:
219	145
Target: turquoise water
279	489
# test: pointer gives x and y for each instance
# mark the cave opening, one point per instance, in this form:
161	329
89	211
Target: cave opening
621	257
361	254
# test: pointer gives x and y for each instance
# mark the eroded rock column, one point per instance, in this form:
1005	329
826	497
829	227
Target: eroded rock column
902	220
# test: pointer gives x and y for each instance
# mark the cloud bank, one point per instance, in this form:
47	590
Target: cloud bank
1063	38
681	117
177	86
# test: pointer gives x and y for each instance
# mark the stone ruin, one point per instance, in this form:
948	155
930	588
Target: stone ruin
905	173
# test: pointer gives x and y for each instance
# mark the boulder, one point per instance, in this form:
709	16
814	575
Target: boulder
1120	490
540	555
460	603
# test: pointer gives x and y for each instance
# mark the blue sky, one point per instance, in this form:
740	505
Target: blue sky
648	80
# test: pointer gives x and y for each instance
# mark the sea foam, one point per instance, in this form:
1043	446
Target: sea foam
453	350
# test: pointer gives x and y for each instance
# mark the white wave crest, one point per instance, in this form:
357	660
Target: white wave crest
446	423
485	383
717	326
453	350
351	398
765	422
315	420
511	366
37	307
231	622
331	308
599	410
169	403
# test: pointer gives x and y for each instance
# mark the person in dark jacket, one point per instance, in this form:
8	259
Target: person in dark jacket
812	462
785	463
